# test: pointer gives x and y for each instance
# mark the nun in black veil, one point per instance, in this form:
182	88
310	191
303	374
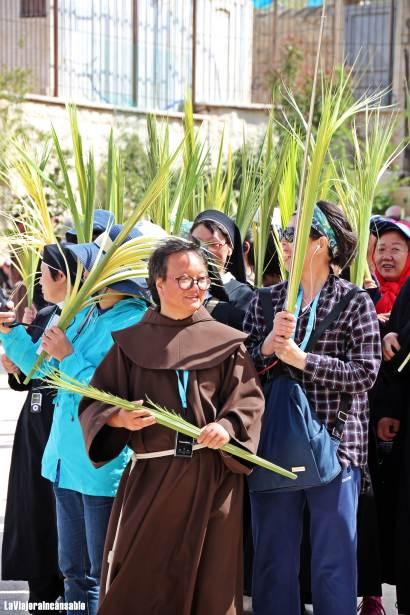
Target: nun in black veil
228	300
230	293
29	550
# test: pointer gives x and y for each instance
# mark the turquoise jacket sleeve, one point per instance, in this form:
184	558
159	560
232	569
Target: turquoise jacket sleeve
96	340
20	348
81	366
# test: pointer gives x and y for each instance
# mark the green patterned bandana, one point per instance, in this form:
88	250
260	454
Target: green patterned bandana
321	224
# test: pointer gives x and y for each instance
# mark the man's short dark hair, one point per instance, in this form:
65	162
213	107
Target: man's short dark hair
158	263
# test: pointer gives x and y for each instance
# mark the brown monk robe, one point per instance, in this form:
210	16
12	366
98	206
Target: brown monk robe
179	544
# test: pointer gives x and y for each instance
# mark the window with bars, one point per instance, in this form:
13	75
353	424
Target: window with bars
33	8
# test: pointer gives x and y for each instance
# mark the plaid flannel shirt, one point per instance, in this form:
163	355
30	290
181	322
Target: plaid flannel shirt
346	358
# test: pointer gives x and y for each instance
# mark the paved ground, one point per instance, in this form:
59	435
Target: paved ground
10	404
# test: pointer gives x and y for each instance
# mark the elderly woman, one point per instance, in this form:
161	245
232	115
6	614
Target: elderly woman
344	361
174	542
392	264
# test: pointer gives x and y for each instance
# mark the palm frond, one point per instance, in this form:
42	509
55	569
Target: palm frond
25	259
373	156
220	184
273	168
158	153
251	188
405	362
163	416
188	198
79	296
25	181
334	114
115	182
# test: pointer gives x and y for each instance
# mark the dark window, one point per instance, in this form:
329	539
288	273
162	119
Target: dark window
33	8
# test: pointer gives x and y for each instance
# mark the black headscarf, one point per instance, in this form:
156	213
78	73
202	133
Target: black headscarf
236	263
53	257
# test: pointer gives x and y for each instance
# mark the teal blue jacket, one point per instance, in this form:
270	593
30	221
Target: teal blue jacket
65	456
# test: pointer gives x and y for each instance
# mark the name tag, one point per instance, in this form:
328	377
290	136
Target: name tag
183	446
298	469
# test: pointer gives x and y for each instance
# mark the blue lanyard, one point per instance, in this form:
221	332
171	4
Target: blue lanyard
312	317
93	312
182	376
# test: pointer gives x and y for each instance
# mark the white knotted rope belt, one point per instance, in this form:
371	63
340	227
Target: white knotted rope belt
134	459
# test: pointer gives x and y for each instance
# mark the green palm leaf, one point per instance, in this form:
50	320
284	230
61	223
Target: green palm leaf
163	416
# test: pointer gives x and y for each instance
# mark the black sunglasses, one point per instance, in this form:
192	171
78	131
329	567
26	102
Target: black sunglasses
287	234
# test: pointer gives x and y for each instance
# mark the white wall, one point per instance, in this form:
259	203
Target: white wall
164	38
224	51
96	50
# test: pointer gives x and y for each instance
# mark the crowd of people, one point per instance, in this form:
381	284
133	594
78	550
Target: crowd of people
112	511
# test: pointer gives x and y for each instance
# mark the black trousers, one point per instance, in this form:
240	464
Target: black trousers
403	550
45	589
369	564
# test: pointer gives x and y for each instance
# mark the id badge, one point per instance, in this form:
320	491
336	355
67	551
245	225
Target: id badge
35	402
183	446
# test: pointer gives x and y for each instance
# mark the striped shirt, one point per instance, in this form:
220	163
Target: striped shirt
346	359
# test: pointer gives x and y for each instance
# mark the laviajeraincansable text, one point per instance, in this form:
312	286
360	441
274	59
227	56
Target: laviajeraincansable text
17	605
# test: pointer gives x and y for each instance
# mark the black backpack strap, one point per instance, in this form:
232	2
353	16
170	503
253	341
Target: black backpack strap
341	417
331	317
345	398
265	296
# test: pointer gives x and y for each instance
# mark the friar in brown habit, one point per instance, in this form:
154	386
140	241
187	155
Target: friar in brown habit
174	543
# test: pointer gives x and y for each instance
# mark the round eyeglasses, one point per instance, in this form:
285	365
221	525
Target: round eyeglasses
185	282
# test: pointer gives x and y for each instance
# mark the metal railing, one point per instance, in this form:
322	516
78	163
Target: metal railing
149	53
